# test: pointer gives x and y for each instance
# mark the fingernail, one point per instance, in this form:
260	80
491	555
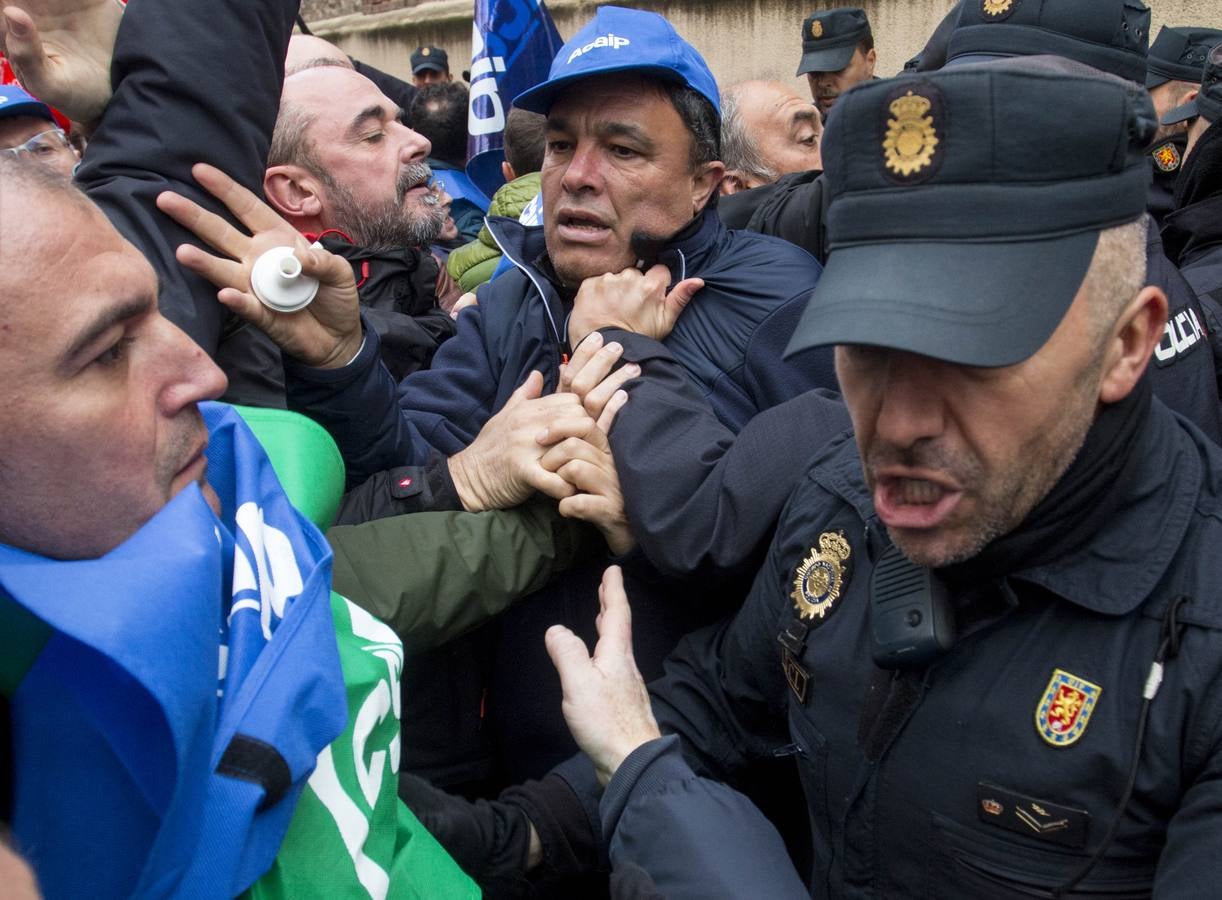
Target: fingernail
633	368
17	27
615	347
595	338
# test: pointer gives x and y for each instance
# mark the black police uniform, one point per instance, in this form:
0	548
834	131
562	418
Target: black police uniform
995	770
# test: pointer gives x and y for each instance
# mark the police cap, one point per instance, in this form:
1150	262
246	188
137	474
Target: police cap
1178	54
1208	103
830	37
1109	35
430	58
966	205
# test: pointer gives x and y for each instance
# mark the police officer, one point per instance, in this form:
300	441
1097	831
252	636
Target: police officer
1112	36
1193	232
989	628
1173	70
837	53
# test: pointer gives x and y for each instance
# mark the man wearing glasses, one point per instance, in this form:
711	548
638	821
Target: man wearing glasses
28	131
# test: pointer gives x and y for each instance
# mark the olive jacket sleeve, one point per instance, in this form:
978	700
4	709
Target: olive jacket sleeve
434	575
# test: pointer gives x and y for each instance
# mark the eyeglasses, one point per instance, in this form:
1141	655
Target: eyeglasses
44	145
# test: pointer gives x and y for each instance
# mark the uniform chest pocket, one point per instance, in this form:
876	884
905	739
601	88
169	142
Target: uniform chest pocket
972	862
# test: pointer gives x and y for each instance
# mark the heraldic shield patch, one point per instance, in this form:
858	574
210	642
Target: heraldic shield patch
1065	709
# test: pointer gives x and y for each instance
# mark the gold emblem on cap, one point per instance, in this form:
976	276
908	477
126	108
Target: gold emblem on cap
911	138
425	51
816	29
996	7
817	582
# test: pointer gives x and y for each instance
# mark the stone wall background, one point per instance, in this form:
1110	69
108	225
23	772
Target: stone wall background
739	38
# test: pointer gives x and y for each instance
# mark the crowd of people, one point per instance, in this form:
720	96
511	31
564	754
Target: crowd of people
756	495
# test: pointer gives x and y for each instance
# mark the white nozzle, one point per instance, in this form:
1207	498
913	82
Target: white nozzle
277	281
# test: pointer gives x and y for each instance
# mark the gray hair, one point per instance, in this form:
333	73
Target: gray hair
1117	272
739	150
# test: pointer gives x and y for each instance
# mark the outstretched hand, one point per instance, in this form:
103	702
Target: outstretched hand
605	701
327	333
631	301
61	51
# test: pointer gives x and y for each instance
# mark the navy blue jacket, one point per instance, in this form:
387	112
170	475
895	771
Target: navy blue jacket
938	781
730	341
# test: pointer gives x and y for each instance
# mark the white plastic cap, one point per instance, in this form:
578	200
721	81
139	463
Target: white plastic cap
277	281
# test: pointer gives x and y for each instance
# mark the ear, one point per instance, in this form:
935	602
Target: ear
732	182
293	192
508	172
871	58
704	184
1132	342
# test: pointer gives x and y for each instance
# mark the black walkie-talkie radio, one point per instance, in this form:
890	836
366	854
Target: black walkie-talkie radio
912	621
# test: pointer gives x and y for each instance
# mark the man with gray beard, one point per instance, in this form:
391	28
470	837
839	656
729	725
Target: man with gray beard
343	170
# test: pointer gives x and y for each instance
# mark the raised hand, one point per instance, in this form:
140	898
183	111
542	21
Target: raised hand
327	333
605	702
61	51
631	301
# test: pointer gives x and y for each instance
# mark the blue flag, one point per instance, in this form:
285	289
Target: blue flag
199	640
512	47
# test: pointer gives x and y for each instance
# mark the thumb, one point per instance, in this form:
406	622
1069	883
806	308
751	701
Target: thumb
568	654
530	389
23	47
681	295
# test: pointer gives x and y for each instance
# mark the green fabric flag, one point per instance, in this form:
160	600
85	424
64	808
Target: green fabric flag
351	836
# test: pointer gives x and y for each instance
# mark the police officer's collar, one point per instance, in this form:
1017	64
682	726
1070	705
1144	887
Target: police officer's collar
1123	514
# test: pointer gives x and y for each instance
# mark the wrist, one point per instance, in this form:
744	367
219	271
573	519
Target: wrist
465	482
345	352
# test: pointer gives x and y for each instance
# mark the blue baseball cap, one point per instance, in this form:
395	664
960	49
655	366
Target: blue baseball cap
623	40
16	102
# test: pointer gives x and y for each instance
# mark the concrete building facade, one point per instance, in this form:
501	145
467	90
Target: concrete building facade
739	38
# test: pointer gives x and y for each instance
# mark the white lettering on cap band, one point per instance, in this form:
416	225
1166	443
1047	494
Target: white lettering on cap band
606	40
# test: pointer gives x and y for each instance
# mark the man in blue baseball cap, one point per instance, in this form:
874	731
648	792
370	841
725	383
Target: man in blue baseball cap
28	130
630	173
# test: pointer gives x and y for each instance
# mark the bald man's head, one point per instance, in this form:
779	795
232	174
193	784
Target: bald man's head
767	131
307	51
340	159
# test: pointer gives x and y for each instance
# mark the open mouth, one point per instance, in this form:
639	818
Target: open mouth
906	501
575	225
415	177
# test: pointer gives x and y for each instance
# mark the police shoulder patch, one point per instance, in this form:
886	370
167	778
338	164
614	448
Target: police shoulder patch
1065	708
1166	157
821	576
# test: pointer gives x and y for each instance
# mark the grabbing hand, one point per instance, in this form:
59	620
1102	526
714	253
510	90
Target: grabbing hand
501	467
605	702
588	375
327	333
631	301
586	463
61	51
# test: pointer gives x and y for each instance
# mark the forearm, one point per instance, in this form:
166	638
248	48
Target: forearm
358	405
432	576
700	499
694	837
177	66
